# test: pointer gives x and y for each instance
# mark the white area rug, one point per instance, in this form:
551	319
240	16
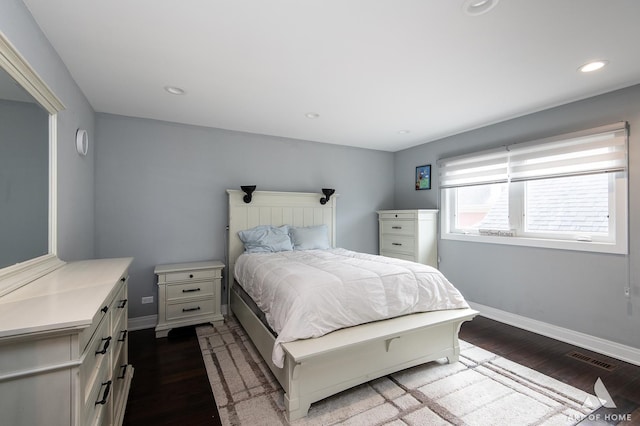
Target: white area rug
482	389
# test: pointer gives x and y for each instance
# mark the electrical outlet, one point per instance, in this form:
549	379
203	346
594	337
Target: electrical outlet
148	299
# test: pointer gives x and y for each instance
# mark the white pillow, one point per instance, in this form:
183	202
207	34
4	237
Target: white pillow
266	239
310	237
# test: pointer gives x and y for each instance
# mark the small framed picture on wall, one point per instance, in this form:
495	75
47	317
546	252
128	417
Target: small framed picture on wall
423	177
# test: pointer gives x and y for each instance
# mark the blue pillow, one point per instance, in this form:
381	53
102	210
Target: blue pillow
266	239
310	237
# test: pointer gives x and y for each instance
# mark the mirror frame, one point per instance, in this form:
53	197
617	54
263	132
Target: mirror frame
15	276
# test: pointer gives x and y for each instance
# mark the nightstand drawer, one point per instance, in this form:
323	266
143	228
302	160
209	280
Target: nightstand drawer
189	275
399	244
190	309
402	227
189	290
408	216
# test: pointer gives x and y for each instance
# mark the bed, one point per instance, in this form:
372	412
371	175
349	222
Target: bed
315	368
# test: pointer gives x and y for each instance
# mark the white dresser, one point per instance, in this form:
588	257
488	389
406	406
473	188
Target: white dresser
63	347
410	235
188	293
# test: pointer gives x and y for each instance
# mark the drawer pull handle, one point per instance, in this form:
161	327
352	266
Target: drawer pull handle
190	275
106	341
104	309
105	395
396	244
190	290
124	371
124	335
123	279
123	303
190	309
396	227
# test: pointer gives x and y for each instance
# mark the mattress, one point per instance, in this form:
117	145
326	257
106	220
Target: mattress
309	293
242	294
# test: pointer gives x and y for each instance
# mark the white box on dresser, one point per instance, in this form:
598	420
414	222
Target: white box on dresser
63	347
410	235
188	293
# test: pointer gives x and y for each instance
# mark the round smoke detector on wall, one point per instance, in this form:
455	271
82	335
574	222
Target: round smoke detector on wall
478	7
82	142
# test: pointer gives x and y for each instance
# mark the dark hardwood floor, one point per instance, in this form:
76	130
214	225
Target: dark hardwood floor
170	384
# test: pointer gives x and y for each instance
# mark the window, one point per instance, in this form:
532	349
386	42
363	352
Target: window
566	205
482	207
565	192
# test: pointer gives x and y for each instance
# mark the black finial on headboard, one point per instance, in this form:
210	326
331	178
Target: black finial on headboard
328	192
248	189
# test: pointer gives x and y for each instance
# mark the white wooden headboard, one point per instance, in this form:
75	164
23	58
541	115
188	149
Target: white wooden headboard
276	208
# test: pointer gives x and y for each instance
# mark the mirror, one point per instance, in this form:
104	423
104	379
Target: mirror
28	111
24	175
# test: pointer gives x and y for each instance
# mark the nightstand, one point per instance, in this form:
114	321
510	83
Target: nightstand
188	293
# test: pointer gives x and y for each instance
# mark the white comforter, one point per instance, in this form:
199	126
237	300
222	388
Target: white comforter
313	292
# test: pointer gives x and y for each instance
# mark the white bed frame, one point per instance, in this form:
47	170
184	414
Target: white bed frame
317	368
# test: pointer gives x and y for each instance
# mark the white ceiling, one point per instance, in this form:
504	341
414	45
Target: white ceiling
369	68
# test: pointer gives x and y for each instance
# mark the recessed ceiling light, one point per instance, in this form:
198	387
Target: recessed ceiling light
404	132
478	7
593	66
174	90
312	115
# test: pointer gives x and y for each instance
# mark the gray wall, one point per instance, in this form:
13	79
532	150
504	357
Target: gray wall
75	173
576	290
160	190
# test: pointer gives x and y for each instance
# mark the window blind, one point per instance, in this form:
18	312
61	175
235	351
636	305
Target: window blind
477	169
599	150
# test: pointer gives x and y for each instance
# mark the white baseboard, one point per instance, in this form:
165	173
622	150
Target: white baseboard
606	347
141	323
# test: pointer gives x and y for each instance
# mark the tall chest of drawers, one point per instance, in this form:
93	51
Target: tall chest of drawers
188	293
63	347
410	235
